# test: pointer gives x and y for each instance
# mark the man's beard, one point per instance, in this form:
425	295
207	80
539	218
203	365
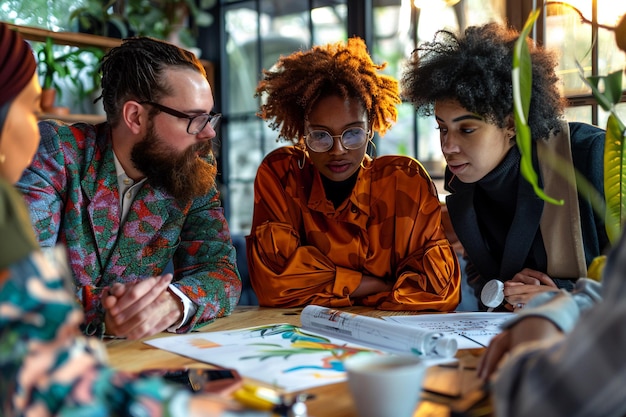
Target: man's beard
185	175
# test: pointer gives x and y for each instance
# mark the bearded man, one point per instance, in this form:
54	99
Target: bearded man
130	195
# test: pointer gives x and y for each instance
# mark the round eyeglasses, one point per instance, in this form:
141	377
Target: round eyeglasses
322	141
196	123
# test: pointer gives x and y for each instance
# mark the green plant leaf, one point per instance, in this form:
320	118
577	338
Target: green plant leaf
614	153
612	89
613	86
522	89
614	177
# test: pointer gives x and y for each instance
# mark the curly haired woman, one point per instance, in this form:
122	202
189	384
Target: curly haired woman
333	226
508	233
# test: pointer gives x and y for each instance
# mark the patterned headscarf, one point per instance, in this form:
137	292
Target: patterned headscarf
17	66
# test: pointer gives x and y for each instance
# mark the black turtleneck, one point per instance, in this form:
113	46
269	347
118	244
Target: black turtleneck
495	200
338	191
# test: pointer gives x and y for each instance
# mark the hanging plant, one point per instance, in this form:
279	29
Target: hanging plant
522	87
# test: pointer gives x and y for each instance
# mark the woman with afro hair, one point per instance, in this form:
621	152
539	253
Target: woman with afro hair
508	233
333	226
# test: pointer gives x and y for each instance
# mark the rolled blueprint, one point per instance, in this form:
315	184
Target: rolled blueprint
376	332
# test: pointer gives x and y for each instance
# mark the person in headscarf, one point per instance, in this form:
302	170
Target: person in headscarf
47	367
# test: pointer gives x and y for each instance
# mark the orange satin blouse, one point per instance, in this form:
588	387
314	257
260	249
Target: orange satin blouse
301	250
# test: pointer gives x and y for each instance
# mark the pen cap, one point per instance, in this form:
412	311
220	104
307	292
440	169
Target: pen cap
446	347
492	293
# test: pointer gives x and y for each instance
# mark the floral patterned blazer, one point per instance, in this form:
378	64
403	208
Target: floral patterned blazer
72	193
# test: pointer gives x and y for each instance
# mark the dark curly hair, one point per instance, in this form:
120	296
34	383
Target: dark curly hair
134	71
343	69
476	70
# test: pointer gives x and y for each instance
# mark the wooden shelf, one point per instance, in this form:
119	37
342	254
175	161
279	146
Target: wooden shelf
83	40
80	40
75	118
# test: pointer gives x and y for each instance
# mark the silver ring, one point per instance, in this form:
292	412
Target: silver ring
519	305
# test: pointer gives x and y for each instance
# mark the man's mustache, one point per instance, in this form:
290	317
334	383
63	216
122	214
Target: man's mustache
202	149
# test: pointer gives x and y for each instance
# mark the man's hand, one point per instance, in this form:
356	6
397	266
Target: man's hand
526	330
525	285
141	308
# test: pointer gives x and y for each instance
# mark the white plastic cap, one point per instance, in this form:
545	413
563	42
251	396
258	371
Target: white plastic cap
446	347
492	294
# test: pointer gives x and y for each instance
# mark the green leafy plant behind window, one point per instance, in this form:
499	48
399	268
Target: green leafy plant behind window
161	19
69	66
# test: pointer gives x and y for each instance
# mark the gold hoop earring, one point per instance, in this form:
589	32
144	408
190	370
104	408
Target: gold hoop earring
372	146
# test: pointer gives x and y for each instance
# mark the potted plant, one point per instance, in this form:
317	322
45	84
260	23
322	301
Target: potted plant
70	67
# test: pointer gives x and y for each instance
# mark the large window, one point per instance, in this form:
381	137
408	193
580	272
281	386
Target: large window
257	33
250	35
583	37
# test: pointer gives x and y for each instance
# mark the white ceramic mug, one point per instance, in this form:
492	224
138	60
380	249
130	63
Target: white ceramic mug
385	385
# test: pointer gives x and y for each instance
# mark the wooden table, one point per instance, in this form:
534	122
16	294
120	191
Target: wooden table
459	384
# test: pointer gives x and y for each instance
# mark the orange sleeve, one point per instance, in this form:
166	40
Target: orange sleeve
283	272
292	275
427	274
429	280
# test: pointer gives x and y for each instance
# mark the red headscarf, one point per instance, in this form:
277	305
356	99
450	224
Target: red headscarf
17	64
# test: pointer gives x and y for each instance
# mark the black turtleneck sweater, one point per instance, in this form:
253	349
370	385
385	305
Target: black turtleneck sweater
495	198
338	191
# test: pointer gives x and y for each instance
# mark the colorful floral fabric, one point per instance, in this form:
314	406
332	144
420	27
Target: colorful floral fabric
72	193
302	250
46	366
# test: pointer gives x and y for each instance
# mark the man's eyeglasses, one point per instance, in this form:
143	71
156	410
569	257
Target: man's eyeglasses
322	141
196	123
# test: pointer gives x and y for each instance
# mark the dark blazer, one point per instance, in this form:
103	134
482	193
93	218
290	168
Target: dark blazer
524	236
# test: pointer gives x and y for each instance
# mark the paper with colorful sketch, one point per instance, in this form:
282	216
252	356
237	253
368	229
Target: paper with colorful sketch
296	358
470	329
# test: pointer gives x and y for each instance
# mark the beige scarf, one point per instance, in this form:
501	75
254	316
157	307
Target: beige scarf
560	225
